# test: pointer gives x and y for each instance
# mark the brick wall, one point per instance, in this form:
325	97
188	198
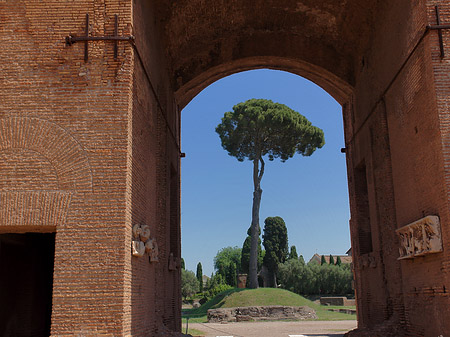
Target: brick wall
90	149
154	181
405	172
63	143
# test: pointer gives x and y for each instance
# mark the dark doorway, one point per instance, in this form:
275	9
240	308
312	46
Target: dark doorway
26	282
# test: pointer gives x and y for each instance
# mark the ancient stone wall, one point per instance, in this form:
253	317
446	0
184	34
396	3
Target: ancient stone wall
260	313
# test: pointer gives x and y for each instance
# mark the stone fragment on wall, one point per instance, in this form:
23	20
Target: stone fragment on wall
154	255
420	238
138	248
143	244
136	231
172	262
145	233
368	260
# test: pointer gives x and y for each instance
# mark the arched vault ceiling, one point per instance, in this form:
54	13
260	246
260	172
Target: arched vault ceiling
330	34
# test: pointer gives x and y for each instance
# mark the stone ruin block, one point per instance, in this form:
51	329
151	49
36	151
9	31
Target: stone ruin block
338	301
260	313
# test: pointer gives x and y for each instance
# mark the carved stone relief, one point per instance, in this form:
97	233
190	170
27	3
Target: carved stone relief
154	256
368	260
143	244
138	248
420	238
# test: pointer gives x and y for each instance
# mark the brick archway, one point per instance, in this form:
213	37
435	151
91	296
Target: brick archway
377	58
336	87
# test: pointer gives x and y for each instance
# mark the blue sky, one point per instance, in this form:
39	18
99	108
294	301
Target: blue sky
309	193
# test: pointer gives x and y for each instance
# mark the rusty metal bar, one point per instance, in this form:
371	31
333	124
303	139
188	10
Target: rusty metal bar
438	27
116	34
86	52
441	40
70	40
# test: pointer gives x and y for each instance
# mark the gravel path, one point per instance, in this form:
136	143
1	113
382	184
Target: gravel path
276	329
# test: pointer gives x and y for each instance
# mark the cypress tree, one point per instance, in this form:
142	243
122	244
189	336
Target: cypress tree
275	241
245	253
331	259
301	259
293	254
200	276
338	261
322	260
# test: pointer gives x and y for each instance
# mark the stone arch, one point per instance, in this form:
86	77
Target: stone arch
335	86
316	40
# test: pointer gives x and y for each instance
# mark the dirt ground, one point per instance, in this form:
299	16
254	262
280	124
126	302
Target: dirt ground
275	329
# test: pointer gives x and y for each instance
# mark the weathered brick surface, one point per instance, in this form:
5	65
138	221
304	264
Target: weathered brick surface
64	133
154	145
89	149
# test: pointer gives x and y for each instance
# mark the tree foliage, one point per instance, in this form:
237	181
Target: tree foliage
338	261
245	254
231	275
199	276
258	128
224	261
301	259
189	283
275	241
322	260
182	264
215	285
331	259
293	253
315	279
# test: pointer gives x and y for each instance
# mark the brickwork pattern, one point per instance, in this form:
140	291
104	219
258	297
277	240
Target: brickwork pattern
66	125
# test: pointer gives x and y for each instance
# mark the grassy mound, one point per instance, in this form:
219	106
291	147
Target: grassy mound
261	297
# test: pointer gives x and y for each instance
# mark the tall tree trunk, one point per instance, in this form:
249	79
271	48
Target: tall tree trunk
253	263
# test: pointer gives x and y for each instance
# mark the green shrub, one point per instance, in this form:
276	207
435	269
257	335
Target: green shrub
189	283
314	279
218	289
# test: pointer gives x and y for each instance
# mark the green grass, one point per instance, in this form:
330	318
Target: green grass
262	297
193	332
198	315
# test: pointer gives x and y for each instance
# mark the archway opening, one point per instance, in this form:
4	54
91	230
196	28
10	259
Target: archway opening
309	193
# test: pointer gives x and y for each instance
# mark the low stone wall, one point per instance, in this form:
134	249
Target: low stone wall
337	300
344	311
259	313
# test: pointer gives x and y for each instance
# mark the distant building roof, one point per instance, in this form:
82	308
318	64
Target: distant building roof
205	279
345	259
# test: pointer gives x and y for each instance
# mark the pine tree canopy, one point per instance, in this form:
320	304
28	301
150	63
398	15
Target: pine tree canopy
260	127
